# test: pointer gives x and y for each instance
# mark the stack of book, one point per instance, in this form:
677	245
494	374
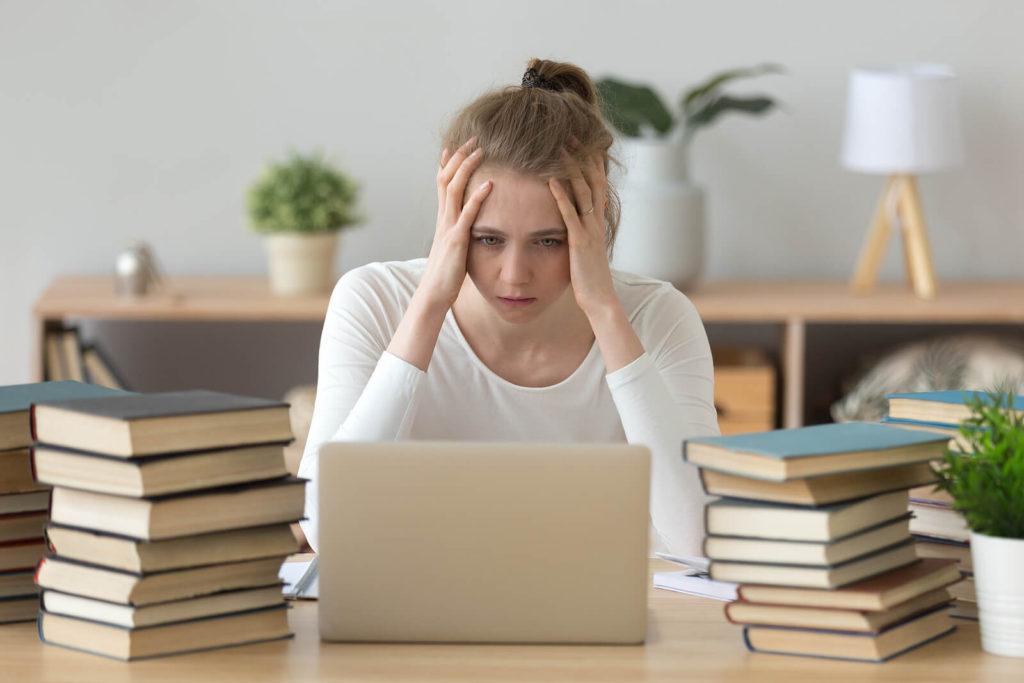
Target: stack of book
169	522
24	502
814	525
940	530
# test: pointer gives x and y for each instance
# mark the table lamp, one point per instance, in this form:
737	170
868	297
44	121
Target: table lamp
901	121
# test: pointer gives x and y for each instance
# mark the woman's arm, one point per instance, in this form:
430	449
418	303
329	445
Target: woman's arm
663	396
367	393
364	391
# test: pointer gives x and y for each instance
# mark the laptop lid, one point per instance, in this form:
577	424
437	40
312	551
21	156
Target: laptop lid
483	542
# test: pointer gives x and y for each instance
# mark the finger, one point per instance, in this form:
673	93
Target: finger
457	187
444	176
448	169
472	207
580	188
565	207
444	157
598	182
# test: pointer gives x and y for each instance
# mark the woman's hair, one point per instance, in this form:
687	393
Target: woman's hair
523	129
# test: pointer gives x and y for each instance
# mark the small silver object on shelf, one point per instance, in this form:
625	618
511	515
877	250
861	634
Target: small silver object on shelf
135	271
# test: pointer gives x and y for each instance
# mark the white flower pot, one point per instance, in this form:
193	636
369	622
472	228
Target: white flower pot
661	233
999	581
301	264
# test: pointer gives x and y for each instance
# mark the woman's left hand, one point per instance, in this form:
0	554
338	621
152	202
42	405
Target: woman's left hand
589	269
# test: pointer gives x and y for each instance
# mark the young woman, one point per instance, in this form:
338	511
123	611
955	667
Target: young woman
515	328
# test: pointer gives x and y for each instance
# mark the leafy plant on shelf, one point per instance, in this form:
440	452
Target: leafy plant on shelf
636	110
986	481
303	194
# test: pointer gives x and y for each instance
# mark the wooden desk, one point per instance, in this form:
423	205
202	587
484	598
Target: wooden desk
688	640
789	305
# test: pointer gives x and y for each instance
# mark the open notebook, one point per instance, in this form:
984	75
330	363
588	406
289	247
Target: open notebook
301	579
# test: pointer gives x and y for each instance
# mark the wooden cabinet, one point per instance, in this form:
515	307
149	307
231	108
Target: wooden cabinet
744	390
788	308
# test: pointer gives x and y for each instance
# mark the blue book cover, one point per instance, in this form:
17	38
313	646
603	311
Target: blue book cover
897	421
955	396
18	397
819	440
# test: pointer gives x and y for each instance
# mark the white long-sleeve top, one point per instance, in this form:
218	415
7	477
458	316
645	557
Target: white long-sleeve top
365	393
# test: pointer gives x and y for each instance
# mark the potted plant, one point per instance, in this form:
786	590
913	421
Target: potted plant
662	223
986	483
300	205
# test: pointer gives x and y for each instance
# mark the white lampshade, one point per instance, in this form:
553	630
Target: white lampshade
902	119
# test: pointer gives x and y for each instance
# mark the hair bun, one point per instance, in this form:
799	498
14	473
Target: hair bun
559	77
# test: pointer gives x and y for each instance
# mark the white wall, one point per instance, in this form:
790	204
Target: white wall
148	119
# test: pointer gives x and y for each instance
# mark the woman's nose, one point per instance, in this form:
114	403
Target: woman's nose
515	268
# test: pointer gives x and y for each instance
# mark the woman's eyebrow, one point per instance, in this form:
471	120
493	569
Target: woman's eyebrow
538	233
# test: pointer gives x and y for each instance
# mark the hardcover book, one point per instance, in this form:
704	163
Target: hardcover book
132	555
160	474
125	588
124	643
821	490
868	647
734	517
833	576
944	407
184	514
138	425
17	399
877	593
786	454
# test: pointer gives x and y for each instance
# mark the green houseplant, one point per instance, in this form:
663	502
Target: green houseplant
986	483
300	205
637	111
662	222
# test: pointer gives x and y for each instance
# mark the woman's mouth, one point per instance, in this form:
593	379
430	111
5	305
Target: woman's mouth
516	303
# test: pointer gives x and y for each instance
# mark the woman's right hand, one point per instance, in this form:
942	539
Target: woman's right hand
446	265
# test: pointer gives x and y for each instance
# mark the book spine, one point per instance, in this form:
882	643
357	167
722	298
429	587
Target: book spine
39	569
703	482
746	639
32	421
32	462
728	613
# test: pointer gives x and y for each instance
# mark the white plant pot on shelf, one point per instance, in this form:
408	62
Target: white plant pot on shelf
999	581
301	264
661	232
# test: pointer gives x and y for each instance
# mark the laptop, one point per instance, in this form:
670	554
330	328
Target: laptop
430	541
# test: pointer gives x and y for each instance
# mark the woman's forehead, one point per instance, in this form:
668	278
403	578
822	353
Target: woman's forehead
517	204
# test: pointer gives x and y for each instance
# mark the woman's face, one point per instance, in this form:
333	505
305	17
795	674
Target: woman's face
518	246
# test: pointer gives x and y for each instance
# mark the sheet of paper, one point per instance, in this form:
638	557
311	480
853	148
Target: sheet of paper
693	583
693	562
301	579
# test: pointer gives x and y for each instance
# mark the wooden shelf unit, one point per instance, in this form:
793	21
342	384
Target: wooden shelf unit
788	305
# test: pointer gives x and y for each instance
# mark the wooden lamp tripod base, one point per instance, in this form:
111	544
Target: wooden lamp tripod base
899	199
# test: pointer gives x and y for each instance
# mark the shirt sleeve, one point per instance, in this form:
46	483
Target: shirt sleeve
364	393
664	397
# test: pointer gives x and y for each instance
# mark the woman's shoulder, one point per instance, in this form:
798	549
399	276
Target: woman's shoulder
375	295
384	280
645	297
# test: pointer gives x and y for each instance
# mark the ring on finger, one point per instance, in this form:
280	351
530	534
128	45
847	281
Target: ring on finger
588	211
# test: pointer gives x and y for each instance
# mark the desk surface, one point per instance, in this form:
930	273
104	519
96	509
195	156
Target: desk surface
688	639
